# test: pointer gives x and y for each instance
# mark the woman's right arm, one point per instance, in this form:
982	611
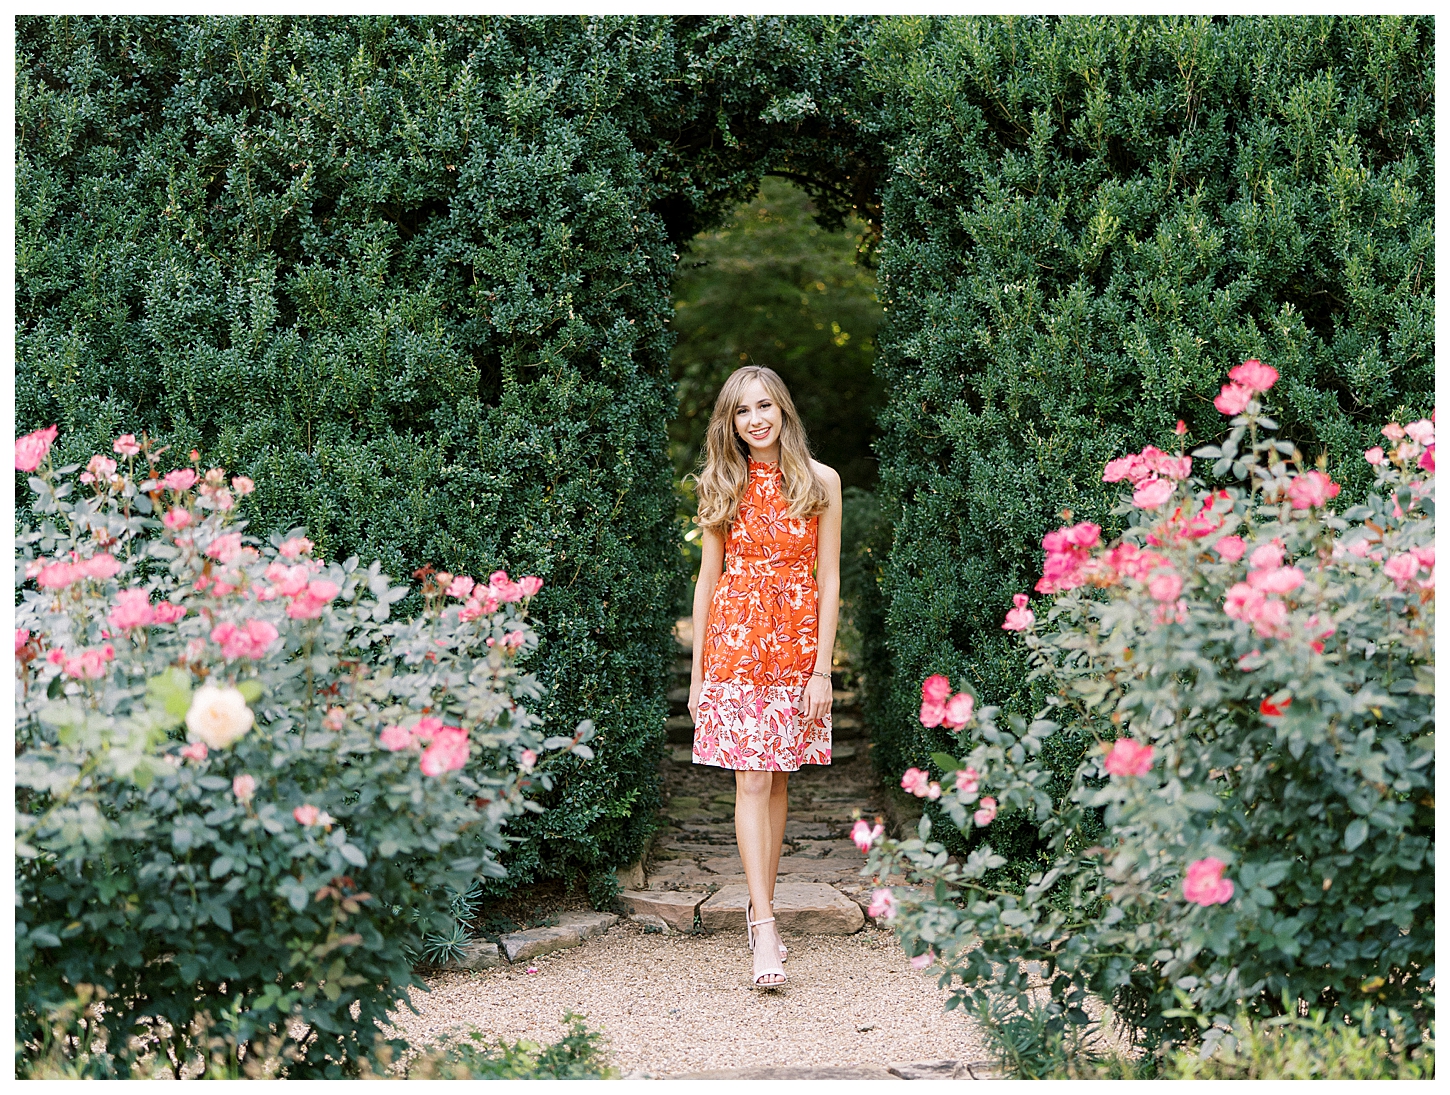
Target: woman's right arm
712	562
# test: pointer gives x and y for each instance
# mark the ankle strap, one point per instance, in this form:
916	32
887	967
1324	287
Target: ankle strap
757	923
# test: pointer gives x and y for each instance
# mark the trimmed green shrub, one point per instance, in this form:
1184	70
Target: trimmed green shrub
412	275
1086	221
399	272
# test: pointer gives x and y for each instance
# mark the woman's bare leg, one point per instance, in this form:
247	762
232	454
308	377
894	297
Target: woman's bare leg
778	805
754	835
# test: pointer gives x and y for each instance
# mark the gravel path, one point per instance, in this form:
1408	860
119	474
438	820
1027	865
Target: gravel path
677	1004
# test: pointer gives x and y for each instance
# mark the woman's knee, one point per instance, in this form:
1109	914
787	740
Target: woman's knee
754	784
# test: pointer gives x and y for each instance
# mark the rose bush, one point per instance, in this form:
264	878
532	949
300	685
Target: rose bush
1257	668
243	790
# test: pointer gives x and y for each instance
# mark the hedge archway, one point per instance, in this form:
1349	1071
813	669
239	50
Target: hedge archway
412	275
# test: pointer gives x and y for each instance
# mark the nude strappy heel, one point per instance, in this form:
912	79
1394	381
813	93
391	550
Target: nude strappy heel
750	926
750	938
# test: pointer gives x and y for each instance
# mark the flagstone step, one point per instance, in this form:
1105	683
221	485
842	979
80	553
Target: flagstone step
671	908
570	931
810	907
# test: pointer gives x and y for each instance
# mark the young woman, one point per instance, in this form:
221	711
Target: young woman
765	624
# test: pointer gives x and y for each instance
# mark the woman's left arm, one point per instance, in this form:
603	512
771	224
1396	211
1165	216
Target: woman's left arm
817	698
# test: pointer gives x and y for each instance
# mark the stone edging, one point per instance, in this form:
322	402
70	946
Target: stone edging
572	929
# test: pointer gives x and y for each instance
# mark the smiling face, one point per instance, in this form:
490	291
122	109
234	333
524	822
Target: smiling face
758	421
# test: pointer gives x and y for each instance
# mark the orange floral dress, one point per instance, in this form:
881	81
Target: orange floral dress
761	640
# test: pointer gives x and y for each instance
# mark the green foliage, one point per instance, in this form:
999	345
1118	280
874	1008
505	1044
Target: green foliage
274	875
772	287
1033	1043
401	272
1261	665
1311	1047
579	1055
1086	221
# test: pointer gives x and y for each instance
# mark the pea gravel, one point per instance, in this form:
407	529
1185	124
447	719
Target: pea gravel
676	1004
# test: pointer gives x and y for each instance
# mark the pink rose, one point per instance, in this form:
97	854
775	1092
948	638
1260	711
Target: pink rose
179	480
936	688
1422	431
167	613
244	787
307	814
1205	885
1311	490
527	759
1269	618
1277	580
959	711
242	486
1180	427
334	720
967	780
133	609
99	469
249	640
426	727
176	518
1254	375
1427	460
1232	399
1402	568
22	638
31	450
531	585
984	816
288	581
883	905
100	566
195	751
447	753
921	961
295	547
1241	601
916	781
126	445
224	548
932	714
58	575
1375	456
1152	493
933	790
461	587
1019	617
1165	585
394	738
310	603
513	640
863	835
90	663
1230	548
1115	471
1394	431
1267	556
1128	758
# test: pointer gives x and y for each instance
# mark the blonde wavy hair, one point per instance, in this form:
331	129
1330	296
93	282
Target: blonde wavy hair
722	481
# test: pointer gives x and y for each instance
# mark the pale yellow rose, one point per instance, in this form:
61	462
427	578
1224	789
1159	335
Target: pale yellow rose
218	716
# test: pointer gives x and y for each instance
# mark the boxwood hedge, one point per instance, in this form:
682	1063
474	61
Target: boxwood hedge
414	273
1087	221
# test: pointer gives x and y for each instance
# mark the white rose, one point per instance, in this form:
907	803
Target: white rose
218	716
